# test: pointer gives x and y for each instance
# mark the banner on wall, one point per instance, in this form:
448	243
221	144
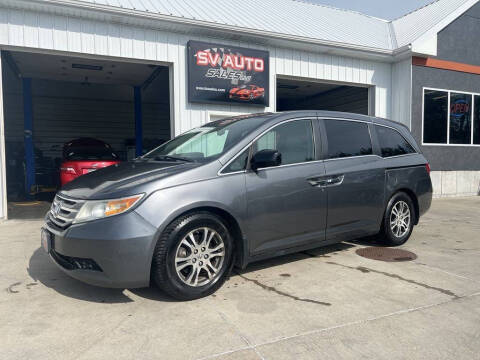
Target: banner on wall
227	74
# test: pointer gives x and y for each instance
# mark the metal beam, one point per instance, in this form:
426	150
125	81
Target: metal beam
137	91
152	77
11	62
28	136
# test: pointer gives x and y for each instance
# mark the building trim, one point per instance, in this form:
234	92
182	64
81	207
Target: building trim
446	65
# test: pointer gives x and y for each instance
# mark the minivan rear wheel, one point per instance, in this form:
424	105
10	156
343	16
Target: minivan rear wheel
398	220
193	256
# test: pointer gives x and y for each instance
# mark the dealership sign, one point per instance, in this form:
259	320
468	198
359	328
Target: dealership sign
227	74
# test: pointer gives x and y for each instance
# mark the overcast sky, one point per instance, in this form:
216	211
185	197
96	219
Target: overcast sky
385	9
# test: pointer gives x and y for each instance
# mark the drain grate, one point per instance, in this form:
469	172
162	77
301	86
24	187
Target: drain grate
386	254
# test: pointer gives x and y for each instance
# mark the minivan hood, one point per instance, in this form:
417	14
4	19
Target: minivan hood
122	179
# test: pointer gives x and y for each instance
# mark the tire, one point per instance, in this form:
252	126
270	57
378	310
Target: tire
175	248
393	232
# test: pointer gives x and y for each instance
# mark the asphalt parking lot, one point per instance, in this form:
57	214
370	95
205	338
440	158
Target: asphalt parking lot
327	303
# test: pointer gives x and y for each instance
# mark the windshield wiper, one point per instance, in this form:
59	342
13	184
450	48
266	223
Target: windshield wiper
171	158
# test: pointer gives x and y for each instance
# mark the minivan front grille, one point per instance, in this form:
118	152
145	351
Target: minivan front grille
63	212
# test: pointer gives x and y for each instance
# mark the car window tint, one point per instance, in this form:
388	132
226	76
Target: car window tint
392	143
347	138
293	140
239	164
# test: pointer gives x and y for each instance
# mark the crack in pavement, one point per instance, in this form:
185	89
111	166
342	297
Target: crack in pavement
398	277
282	293
344	325
446	272
243	337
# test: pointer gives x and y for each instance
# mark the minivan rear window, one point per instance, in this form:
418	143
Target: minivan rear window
347	139
392	143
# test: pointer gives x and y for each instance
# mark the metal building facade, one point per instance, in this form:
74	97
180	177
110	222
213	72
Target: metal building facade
52	33
369	52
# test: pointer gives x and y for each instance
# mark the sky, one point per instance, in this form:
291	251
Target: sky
384	9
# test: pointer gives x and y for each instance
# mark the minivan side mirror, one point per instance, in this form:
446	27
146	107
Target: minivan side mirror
265	158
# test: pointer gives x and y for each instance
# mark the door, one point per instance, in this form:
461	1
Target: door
284	208
354	180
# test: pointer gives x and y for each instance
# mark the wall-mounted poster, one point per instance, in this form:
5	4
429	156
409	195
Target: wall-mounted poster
227	74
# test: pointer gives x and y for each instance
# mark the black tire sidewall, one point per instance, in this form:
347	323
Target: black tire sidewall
176	287
390	238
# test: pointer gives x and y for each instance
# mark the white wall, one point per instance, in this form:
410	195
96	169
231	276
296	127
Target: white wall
56	32
402	91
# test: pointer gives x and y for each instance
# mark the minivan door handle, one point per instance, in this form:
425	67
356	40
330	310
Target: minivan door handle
324	181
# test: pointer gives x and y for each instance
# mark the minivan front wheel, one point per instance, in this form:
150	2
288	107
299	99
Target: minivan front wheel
193	256
398	220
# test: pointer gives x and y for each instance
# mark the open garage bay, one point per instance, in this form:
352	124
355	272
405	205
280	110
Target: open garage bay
55	100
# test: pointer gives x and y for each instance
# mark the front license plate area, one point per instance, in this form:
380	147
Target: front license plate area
46	238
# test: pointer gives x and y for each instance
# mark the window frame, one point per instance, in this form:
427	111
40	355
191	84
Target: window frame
315	138
472	112
325	139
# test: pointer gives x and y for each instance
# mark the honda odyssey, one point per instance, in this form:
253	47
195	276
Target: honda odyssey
236	191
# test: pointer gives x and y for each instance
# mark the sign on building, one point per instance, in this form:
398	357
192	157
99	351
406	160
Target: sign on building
227	74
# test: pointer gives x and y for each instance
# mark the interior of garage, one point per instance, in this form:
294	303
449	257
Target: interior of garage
301	94
50	100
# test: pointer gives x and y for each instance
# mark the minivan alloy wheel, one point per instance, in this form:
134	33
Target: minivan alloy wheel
400	218
199	257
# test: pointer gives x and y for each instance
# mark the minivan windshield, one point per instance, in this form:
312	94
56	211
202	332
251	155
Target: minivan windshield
206	143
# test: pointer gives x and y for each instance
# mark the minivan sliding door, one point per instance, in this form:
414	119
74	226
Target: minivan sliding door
355	179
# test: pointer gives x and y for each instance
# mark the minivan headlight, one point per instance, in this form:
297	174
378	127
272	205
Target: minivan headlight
97	209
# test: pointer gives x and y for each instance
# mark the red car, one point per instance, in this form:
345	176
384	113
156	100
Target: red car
246	92
84	155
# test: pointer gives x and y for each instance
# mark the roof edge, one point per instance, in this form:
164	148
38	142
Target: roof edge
118	12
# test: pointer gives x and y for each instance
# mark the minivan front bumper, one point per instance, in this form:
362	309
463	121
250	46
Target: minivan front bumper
113	252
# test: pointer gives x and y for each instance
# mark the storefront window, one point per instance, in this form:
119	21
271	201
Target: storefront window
448	117
460	118
435	119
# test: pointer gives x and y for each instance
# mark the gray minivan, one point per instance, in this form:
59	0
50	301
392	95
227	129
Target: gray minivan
236	191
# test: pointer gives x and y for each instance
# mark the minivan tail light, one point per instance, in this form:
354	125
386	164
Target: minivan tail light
427	166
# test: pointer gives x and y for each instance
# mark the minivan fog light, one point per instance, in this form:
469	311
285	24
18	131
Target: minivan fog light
97	209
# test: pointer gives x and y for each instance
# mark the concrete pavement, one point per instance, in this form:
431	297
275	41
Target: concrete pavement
327	303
